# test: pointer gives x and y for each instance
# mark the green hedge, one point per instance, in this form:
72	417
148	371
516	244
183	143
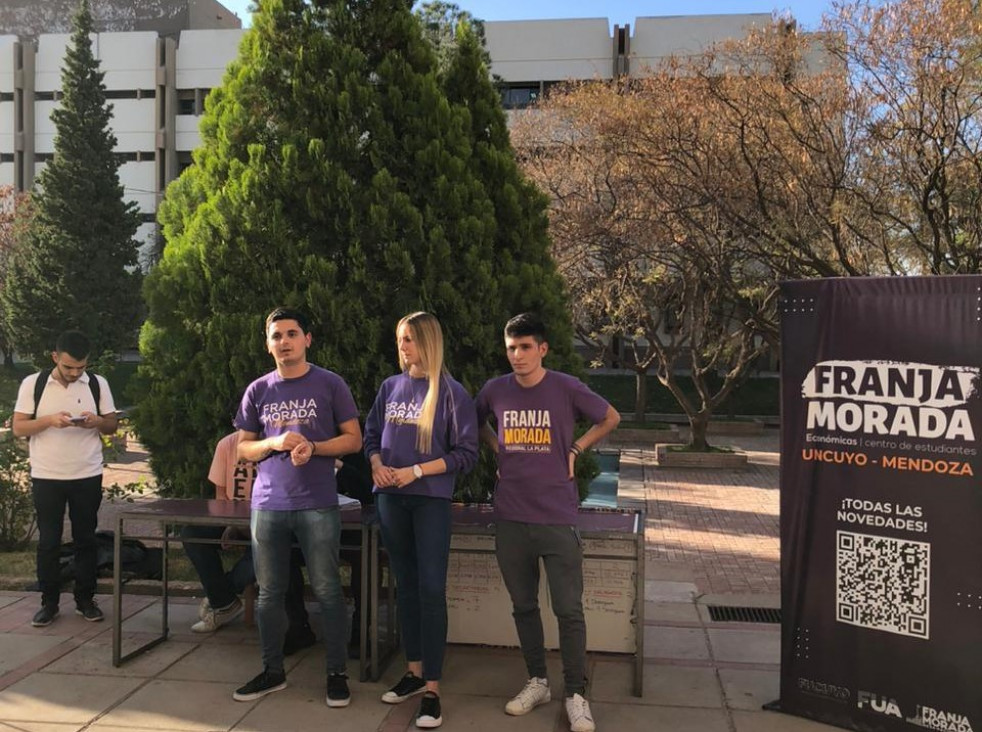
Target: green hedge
758	396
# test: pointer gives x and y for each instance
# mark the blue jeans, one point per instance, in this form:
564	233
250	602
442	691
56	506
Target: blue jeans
416	535
318	532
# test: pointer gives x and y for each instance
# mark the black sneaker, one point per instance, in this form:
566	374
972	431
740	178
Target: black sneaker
428	716
45	616
409	685
265	683
298	640
89	610
337	690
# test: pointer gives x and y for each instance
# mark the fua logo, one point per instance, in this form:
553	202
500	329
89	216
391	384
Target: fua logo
878	703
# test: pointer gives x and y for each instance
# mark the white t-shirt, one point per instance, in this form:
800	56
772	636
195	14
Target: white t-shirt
69	453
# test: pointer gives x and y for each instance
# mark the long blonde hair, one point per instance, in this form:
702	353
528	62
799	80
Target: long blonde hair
428	337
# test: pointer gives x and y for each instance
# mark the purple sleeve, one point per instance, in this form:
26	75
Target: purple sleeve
343	403
247	418
462	419
375	423
586	403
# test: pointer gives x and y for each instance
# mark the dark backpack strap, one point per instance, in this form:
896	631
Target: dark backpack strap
94	386
39	389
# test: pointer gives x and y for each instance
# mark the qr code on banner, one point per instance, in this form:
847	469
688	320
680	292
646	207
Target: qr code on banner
883	583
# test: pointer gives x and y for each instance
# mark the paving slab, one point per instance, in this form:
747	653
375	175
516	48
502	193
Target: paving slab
747	646
619	717
498	673
749	689
19	648
40	727
687	644
8	599
179	705
664	685
303	708
487	714
776	722
47	698
231	663
180	618
656	613
669	591
95	657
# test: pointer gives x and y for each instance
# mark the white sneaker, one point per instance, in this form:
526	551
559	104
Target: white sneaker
578	711
536	692
215	619
204	608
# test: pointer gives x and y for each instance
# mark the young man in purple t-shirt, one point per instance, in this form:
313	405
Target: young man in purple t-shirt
293	422
534	411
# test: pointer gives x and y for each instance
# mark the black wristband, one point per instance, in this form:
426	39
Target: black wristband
575	449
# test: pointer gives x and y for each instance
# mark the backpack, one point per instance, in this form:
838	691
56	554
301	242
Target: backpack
42	382
136	560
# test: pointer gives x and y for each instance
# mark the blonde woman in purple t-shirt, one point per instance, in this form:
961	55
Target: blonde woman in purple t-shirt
420	432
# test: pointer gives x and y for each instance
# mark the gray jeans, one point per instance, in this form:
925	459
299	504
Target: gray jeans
518	547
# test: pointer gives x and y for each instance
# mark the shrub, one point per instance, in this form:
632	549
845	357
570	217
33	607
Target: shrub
16	503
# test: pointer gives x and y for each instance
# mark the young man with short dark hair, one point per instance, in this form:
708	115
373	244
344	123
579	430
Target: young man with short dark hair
534	411
293	422
64	425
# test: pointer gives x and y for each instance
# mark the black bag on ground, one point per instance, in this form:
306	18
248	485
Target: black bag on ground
137	561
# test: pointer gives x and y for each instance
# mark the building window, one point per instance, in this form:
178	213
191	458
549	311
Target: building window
184	161
6	157
519	96
187	104
6	96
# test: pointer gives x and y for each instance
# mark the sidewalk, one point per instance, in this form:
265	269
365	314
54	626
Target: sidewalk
712	539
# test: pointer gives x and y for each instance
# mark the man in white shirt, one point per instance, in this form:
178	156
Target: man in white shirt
63	424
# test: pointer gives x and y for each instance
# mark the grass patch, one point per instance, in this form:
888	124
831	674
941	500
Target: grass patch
758	396
21	564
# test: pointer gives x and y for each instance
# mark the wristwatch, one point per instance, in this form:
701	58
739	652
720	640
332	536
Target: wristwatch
417	471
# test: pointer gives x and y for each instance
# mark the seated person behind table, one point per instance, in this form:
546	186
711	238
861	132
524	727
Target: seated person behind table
233	481
354	476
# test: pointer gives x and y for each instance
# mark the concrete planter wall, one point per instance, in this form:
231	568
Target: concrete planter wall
734	427
675	459
625	435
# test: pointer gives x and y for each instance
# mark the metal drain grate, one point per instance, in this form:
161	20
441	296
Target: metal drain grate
730	614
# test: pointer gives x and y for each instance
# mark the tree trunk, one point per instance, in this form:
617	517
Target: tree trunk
8	359
698	424
640	395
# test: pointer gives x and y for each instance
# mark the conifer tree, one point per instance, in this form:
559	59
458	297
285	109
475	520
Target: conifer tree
77	265
335	176
524	271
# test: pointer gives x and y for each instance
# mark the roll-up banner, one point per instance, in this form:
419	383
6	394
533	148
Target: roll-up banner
881	502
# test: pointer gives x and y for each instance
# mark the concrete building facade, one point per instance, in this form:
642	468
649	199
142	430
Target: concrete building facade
162	57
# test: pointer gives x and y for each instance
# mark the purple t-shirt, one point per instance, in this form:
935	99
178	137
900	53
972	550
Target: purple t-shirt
535	428
390	431
313	405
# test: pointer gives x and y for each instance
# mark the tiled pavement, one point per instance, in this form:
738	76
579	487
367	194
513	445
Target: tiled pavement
711	538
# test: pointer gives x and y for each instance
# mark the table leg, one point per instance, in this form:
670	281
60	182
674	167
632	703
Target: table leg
117	595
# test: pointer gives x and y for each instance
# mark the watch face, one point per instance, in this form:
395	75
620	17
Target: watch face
417	471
